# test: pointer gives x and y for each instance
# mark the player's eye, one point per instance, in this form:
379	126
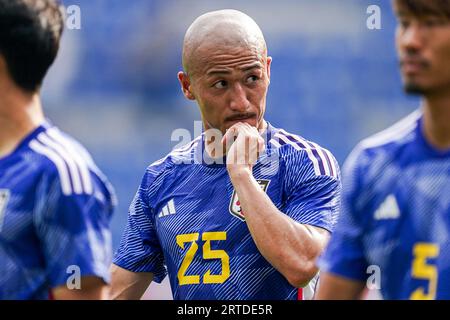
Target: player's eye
404	23
220	84
252	79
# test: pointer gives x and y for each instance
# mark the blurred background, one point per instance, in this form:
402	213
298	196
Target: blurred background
114	85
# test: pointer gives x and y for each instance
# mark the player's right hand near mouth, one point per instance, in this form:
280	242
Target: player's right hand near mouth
243	145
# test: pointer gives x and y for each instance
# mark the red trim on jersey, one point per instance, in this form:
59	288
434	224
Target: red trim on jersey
300	294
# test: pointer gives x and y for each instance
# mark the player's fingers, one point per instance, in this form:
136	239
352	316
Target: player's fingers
229	135
254	149
261	145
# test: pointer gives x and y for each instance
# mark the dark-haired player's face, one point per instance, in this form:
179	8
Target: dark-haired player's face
423	45
230	85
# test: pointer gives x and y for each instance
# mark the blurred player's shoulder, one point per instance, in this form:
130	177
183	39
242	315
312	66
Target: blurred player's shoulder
398	134
292	147
56	154
385	145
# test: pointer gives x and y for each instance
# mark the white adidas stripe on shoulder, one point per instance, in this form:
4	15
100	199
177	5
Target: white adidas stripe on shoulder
59	163
160	161
395	132
186	148
56	135
184	153
275	143
72	168
297	147
62	153
179	152
322	159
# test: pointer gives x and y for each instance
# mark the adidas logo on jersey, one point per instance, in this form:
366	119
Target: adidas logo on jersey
168	209
388	209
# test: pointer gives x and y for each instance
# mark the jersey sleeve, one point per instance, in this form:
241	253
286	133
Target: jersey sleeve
344	255
73	229
311	198
139	249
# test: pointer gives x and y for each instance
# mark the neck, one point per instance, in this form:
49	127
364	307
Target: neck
20	114
436	116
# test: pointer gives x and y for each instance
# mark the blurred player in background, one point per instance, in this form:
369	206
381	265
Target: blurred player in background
55	206
396	201
228	228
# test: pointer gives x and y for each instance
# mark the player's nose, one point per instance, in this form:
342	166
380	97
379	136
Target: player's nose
238	99
412	38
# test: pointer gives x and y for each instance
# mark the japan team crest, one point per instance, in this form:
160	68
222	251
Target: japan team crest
235	205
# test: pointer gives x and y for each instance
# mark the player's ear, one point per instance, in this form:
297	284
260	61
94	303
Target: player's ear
185	83
269	63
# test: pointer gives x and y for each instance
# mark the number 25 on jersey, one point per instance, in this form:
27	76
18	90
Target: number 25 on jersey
208	253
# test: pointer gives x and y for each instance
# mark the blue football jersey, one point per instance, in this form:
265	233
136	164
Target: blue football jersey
55	209
396	215
186	219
